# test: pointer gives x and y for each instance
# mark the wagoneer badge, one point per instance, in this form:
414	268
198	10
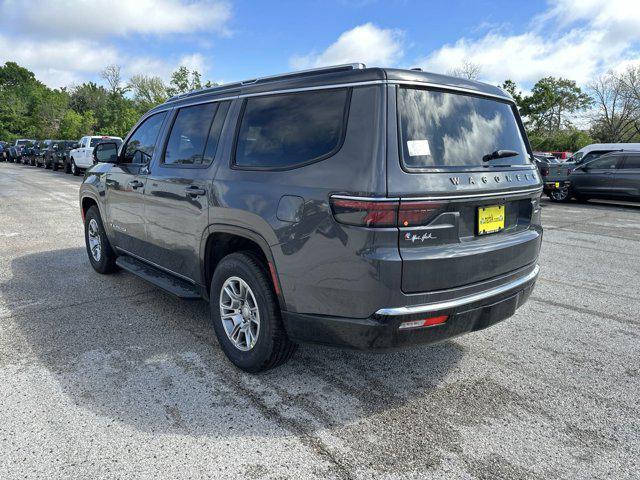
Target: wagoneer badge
506	178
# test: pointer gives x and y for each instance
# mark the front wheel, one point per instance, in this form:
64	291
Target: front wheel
54	165
560	195
67	166
246	316
101	255
75	170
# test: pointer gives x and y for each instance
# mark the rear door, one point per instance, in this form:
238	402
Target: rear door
462	220
626	181
179	187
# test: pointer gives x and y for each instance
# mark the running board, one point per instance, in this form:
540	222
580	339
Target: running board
170	283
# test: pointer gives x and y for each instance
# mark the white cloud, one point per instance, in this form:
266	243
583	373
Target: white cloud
365	43
576	39
57	62
98	18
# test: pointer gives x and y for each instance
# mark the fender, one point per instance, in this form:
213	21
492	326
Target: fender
241	232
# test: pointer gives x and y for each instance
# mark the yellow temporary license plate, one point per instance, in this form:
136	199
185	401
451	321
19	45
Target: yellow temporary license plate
557	184
490	219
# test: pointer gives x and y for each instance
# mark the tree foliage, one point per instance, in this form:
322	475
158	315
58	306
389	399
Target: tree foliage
28	108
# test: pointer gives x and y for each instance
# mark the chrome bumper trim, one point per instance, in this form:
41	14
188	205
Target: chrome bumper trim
432	307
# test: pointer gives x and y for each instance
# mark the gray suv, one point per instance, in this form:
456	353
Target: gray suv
359	207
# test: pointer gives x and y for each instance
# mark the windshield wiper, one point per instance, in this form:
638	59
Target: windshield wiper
500	154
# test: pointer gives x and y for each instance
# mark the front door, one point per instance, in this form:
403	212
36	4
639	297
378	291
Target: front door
179	187
125	186
596	177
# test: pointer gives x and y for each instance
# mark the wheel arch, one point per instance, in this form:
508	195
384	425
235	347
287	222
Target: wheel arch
220	240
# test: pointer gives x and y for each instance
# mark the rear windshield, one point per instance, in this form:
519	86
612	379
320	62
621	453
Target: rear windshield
440	129
96	141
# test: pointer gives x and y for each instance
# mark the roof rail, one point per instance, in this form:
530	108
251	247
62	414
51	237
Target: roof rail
301	73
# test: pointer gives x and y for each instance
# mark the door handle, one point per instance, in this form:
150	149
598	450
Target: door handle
135	184
194	191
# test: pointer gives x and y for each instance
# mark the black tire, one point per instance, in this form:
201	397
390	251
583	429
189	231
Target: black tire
54	166
272	346
75	170
106	261
67	166
560	195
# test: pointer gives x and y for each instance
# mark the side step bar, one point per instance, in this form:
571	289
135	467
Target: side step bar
178	287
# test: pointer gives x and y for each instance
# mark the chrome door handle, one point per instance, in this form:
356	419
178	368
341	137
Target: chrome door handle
194	191
135	184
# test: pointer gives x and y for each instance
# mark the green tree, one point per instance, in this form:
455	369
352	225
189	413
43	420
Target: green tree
183	81
148	91
552	103
512	89
75	125
88	96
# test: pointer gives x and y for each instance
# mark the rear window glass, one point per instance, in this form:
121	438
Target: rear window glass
284	131
441	129
632	162
96	141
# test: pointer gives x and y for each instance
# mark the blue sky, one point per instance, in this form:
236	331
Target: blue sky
70	41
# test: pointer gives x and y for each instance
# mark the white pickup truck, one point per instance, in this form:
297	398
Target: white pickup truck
82	157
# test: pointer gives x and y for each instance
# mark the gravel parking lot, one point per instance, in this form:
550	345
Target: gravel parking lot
108	377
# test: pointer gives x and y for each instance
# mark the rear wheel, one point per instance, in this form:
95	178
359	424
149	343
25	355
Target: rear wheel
246	316
67	166
101	255
560	195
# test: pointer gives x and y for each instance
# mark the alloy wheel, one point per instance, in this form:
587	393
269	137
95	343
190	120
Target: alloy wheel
239	313
95	243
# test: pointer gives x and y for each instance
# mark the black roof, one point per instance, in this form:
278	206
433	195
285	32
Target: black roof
341	74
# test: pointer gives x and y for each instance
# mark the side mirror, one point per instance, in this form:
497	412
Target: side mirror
106	152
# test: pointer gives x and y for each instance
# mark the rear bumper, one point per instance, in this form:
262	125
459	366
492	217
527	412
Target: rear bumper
381	331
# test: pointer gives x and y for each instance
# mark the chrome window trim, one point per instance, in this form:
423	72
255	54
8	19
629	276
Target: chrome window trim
458	302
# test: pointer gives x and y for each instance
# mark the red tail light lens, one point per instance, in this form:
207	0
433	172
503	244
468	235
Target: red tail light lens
384	213
412	214
365	213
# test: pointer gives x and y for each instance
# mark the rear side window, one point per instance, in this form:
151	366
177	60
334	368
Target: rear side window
285	131
632	162
195	133
444	129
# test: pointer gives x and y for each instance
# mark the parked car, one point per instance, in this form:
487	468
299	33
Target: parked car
323	206
3	151
59	157
82	156
614	175
557	183
20	144
28	153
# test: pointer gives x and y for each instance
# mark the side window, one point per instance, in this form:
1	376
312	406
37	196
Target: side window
140	146
604	163
284	131
189	133
593	155
214	132
632	162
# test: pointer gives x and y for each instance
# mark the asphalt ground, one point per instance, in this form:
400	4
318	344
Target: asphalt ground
108	377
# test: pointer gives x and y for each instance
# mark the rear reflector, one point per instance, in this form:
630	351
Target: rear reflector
426	322
413	214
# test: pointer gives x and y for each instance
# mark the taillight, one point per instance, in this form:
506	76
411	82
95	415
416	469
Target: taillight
384	213
417	213
365	213
544	172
